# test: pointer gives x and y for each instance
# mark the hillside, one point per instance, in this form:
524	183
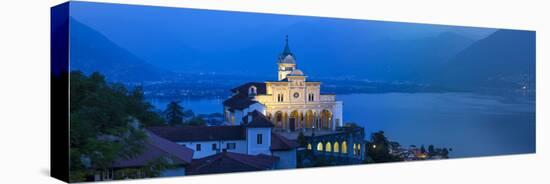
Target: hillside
504	59
91	51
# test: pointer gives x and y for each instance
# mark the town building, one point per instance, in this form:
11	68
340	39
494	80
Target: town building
294	105
292	102
155	148
254	136
227	162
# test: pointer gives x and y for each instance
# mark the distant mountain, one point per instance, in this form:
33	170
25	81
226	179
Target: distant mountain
504	59
91	51
324	48
346	50
409	60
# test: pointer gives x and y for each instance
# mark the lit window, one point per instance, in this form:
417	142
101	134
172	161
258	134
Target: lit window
320	147
309	146
336	147
344	147
328	147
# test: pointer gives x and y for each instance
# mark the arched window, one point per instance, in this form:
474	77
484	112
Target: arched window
309	146
320	146
328	147
280	98
252	90
344	147
310	97
336	147
358	149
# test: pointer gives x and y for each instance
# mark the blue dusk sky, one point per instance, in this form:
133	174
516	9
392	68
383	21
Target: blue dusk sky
189	41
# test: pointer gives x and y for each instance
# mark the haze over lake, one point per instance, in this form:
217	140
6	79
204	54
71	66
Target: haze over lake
471	124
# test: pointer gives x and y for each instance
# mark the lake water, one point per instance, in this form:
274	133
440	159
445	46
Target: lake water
470	124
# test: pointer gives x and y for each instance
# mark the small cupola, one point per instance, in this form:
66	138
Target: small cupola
252	91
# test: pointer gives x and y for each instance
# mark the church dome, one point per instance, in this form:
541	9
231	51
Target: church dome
287	59
297	72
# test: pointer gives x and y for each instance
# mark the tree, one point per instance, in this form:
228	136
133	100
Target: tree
143	110
445	153
378	148
174	113
422	149
102	117
302	140
431	150
196	121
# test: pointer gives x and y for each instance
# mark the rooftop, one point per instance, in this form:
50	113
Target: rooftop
278	142
226	162
157	147
200	133
286	56
241	100
258	120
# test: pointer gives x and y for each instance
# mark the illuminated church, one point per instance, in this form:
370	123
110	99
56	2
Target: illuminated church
291	103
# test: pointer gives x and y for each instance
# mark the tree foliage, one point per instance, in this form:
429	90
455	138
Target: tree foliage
431	150
105	123
422	149
174	113
302	140
378	149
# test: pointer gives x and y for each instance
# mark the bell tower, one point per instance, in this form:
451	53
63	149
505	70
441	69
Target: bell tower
286	62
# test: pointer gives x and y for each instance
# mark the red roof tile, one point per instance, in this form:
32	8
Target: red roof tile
258	120
279	142
200	133
226	162
157	147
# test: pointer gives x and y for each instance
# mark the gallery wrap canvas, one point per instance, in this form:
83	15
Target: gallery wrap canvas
145	92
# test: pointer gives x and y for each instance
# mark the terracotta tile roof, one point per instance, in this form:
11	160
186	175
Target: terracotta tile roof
238	102
226	162
243	89
157	147
200	133
241	100
258	120
278	142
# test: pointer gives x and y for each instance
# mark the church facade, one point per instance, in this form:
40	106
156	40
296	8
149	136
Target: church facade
291	102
